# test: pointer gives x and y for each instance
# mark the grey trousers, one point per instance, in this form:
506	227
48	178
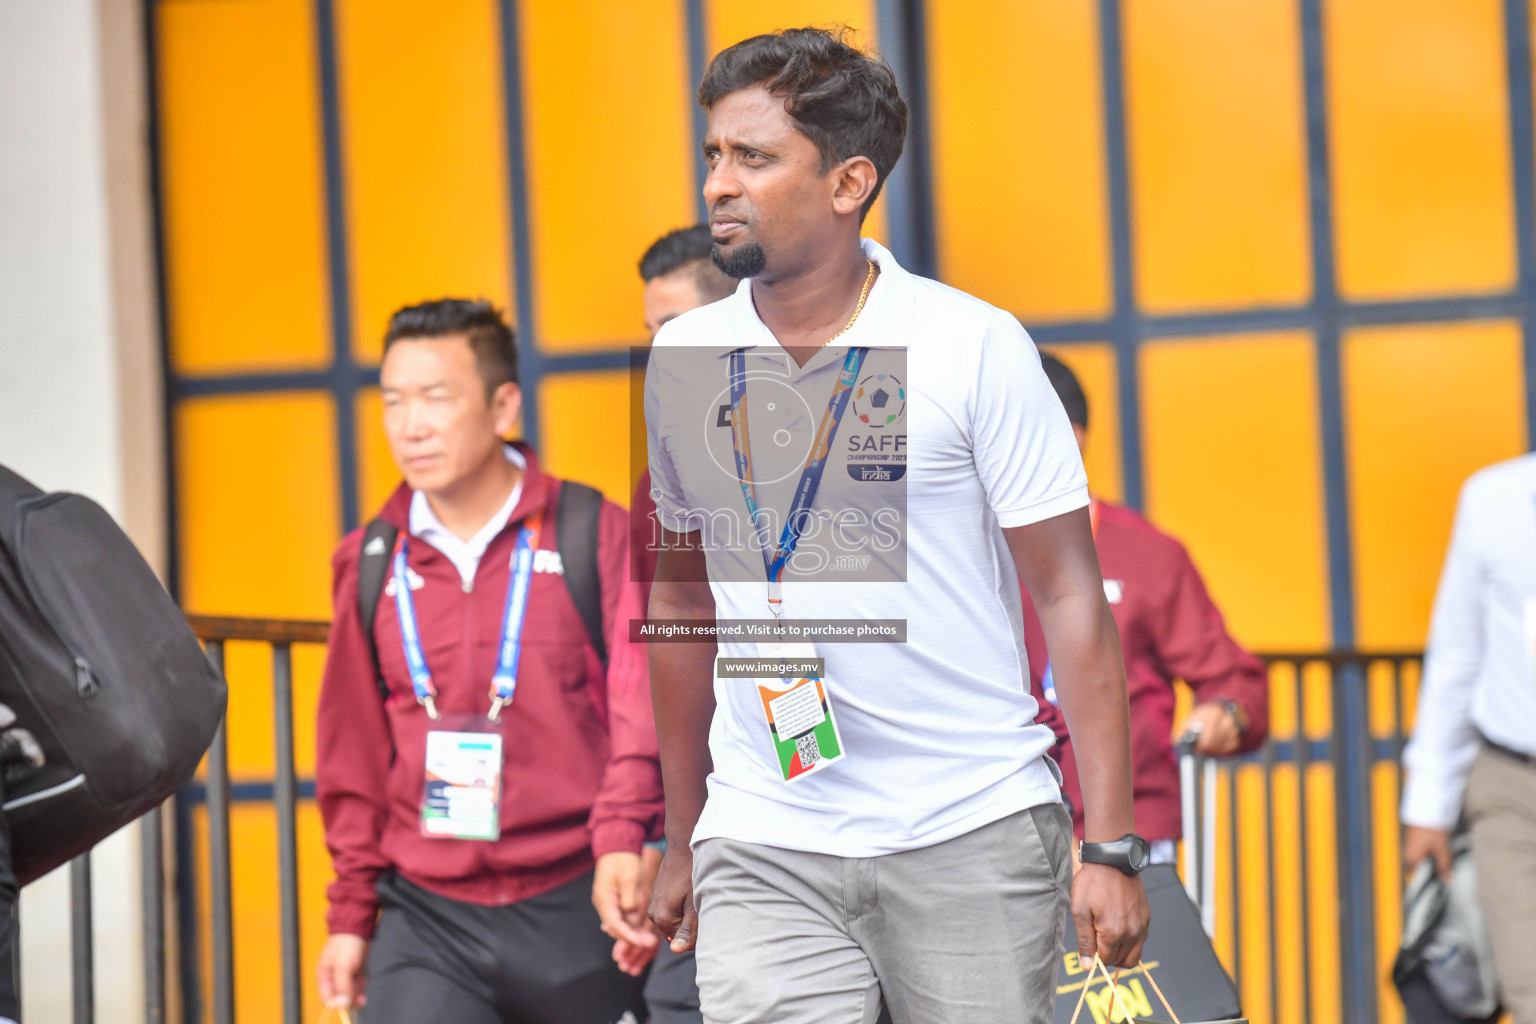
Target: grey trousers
1501	810
964	932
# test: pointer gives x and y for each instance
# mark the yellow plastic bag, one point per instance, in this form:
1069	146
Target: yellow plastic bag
1118	1012
330	1015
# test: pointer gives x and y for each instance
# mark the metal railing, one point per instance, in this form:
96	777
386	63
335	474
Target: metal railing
1338	741
1361	698
281	635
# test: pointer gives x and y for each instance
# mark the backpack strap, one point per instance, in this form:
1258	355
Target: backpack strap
372	571
576	538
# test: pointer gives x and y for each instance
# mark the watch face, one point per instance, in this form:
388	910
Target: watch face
1141	853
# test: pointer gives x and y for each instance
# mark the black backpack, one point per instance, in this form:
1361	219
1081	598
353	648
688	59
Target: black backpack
577	512
100	665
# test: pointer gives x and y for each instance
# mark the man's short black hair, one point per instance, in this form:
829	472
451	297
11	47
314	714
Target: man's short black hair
675	250
842	99
687	247
1067	389
490	337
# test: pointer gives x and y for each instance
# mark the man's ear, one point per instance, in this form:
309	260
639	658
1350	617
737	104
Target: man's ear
506	407
854	181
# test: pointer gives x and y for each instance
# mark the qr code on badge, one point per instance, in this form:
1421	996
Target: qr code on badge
810	750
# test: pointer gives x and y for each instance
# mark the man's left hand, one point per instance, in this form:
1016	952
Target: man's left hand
621	890
1111	914
1215	730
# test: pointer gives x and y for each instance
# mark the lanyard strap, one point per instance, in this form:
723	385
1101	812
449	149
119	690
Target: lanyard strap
504	682
810	476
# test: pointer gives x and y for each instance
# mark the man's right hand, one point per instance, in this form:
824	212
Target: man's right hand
672	907
1419	843
340	971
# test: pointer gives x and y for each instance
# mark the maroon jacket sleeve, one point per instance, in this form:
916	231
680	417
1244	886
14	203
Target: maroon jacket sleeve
1193	645
352	757
628	807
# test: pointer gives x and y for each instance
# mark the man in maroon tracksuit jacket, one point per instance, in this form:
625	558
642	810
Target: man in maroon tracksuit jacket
467	811
1169	629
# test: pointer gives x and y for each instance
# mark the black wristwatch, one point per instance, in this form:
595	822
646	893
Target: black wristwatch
1130	853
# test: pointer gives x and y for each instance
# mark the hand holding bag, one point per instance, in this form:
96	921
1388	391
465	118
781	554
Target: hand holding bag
1115	1008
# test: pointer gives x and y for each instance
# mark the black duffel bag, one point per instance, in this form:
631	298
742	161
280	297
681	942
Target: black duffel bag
100	666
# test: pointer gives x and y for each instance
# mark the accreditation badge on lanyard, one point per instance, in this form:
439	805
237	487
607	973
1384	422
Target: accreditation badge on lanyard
798	710
461	794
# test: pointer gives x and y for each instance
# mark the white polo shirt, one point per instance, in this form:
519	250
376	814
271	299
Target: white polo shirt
939	731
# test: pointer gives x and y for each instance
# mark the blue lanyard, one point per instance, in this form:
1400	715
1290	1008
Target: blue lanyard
504	682
810	476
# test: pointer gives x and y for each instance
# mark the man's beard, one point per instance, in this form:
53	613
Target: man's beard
747	260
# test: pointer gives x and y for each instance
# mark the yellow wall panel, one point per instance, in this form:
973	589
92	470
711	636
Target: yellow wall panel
727	22
425	151
248	668
1419	136
244	208
1094	367
1217	154
1018	154
1424	407
257	914
1230	433
257	504
731	21
609	147
585	424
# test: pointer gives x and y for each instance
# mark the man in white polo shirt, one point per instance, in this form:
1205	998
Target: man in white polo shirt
841	446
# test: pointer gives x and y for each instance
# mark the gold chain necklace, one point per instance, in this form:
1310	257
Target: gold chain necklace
869	279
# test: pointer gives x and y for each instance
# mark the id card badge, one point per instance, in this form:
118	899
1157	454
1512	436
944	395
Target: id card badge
462	794
800	718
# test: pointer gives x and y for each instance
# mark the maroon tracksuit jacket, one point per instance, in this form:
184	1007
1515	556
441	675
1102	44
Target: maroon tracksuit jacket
1169	629
569	786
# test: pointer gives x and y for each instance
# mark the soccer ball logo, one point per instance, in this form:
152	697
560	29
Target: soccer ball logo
879	400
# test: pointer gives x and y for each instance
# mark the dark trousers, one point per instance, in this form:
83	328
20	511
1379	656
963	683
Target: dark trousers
10	937
543	960
672	989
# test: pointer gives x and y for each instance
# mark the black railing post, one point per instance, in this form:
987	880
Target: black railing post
1267	756
1303	761
1353	816
1234	889
219	864
285	796
81	940
152	895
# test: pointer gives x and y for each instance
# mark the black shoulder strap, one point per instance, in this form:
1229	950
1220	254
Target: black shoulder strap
576	525
372	570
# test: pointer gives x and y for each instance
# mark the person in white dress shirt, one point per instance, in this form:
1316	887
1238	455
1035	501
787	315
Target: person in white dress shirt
1473	753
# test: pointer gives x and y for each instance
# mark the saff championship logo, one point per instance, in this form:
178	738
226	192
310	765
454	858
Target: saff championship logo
879	400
